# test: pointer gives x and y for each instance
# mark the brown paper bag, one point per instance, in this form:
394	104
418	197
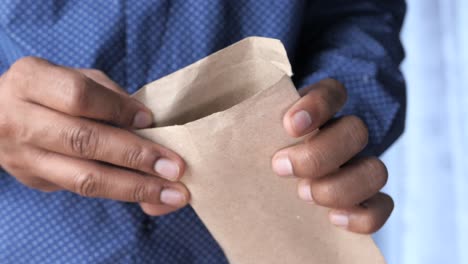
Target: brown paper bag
223	115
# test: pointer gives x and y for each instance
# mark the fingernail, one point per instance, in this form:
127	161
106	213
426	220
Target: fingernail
301	121
282	165
142	120
305	193
167	168
339	219
172	197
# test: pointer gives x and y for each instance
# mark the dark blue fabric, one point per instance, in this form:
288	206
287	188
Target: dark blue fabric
135	42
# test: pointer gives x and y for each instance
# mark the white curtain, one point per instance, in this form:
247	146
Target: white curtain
429	164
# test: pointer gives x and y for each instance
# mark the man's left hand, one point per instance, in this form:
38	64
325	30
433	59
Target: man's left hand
326	164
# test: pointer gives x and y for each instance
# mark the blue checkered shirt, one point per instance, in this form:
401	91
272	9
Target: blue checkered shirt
135	42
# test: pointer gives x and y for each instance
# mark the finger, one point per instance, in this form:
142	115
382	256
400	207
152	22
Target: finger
367	218
319	104
71	92
92	179
13	163
324	152
35	182
104	80
32	180
347	187
156	209
16	166
87	139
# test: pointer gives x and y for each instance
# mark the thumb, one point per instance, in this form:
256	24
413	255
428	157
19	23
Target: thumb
102	78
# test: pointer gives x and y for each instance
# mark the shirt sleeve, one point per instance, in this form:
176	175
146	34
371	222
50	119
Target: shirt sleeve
358	43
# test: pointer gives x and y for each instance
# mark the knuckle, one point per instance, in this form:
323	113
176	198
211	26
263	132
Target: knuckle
134	157
24	64
86	184
21	71
321	103
79	96
357	131
378	172
117	113
341	91
336	90
147	190
82	140
373	220
370	224
387	202
324	193
313	157
140	192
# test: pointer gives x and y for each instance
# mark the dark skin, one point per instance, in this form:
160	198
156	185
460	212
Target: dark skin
71	129
325	164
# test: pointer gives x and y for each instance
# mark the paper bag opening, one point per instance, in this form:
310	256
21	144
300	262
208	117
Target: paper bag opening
209	86
229	109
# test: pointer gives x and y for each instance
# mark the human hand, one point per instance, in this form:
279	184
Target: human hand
325	162
68	129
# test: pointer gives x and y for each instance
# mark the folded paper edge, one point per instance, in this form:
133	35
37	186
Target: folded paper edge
278	62
263	48
228	110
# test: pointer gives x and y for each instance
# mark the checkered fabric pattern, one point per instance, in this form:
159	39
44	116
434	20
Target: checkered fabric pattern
135	42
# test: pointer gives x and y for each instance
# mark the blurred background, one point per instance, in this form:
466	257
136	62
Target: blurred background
429	164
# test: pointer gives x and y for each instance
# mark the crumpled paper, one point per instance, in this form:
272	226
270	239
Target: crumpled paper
223	115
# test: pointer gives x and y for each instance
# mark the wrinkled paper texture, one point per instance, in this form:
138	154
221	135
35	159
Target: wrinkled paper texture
223	115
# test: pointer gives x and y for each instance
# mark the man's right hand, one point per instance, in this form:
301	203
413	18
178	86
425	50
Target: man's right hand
69	129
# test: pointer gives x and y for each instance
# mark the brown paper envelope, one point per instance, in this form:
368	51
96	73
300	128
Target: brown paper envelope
223	115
